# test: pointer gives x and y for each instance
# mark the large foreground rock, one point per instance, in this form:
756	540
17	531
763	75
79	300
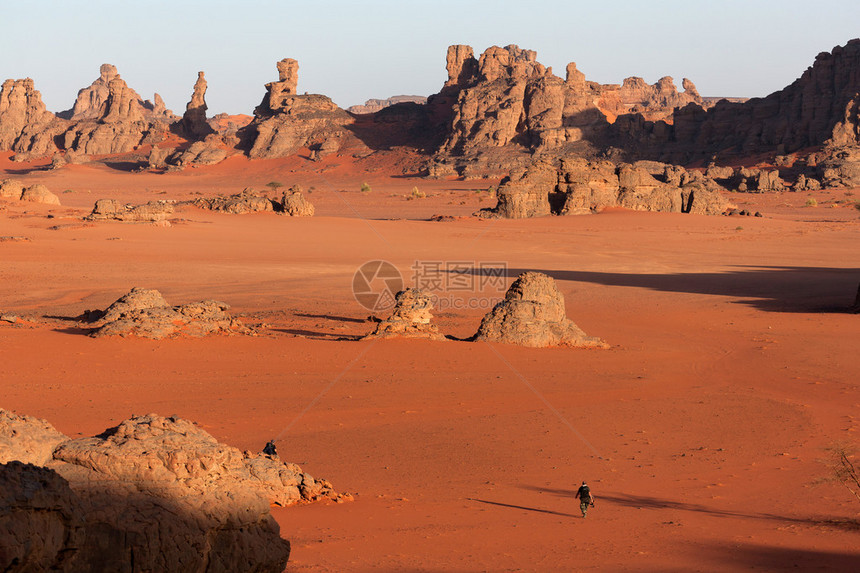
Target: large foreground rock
533	314
151	494
145	313
411	318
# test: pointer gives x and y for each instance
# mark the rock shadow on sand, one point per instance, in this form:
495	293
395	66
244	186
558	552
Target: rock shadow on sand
766	288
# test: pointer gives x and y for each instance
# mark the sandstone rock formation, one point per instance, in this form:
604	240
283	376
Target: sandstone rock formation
411	318
533	314
294	204
41	520
286	122
821	106
26	127
840	166
111	209
575	186
27	439
107	117
653	102
145	313
194	122
11	189
38	193
247	201
151	494
375	105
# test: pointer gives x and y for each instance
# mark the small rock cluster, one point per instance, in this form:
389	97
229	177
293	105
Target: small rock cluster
531	314
411	318
145	313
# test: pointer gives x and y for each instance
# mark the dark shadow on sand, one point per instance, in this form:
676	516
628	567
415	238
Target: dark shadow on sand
522	507
771	289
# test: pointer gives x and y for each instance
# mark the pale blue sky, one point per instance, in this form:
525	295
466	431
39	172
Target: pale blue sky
352	51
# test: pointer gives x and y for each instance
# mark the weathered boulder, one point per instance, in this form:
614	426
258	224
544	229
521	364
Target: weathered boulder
294	204
27	439
11	189
211	150
533	314
39	194
111	209
840	166
411	318
145	313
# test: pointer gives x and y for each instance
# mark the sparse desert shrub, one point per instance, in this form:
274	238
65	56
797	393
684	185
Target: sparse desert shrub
68	191
739	228
811	202
857	205
365	188
842	463
274	185
416	194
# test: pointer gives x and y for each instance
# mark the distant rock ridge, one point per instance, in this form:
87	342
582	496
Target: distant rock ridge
375	105
495	112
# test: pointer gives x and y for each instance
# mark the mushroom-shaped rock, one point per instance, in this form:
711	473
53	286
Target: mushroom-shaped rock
532	314
411	318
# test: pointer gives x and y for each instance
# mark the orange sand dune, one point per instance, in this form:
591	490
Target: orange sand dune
733	364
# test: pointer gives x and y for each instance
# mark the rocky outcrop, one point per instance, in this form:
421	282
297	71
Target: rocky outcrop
151	494
653	102
575	186
111	209
533	314
285	122
41	521
247	201
107	117
11	189
819	107
38	193
26	126
144	313
840	166
294	204
375	105
194	123
27	439
411	318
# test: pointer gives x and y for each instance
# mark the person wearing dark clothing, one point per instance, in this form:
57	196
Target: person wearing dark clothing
585	498
270	450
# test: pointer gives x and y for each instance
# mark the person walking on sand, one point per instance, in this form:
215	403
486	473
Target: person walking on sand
585	498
